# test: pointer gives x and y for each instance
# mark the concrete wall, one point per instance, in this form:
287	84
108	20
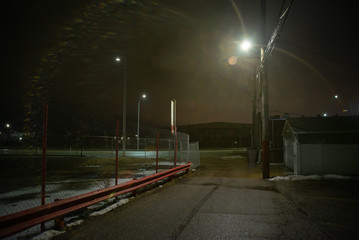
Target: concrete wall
328	159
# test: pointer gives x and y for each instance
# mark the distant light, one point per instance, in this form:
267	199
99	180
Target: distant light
336	96
246	45
7	125
345	110
325	114
20	138
118	59
144	95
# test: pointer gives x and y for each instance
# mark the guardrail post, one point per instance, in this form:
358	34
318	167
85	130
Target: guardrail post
59	221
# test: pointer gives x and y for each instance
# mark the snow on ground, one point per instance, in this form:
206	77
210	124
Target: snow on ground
309	177
75	223
48	235
109	208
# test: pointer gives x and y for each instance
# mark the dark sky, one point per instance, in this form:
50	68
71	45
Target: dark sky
62	52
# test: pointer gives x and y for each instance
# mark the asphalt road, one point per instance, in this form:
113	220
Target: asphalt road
209	205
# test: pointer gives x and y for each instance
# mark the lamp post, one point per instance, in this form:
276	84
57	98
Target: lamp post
118	59
246	46
261	77
143	96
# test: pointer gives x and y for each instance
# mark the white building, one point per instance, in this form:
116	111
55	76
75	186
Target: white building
322	145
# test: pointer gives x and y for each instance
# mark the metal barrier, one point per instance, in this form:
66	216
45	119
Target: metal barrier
19	221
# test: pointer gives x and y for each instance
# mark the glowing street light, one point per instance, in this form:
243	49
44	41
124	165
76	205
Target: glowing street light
143	96
246	45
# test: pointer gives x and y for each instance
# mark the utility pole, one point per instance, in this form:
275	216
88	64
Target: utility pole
262	73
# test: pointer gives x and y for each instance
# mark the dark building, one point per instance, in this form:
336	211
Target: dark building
219	134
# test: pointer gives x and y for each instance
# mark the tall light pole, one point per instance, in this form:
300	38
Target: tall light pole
143	96
246	46
118	59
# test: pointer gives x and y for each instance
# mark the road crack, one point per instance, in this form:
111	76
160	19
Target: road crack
193	212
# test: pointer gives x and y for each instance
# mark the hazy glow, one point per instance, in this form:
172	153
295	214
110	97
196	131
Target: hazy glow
336	96
118	59
232	60
144	95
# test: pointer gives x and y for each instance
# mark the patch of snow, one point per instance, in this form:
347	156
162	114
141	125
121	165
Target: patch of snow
75	223
109	208
309	177
100	204
48	235
334	176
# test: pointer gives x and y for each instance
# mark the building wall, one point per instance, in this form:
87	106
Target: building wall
289	152
328	159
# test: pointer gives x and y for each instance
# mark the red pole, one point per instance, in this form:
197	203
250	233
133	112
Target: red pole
117	134
158	143
43	172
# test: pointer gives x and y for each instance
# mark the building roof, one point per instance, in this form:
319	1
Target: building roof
322	125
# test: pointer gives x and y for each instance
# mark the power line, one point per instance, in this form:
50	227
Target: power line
320	54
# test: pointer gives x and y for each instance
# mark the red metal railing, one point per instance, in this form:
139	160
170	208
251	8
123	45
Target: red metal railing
19	221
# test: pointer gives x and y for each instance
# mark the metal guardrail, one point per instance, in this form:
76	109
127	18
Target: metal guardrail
19	221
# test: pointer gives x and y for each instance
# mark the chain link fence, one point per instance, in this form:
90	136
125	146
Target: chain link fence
80	156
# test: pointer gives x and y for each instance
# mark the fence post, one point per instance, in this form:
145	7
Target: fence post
175	150
145	149
169	149
43	172
117	134
158	144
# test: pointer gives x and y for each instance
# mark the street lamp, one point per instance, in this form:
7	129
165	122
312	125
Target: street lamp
261	77
119	59
246	45
143	96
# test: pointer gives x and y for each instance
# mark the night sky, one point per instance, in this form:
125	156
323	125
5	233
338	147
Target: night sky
63	53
